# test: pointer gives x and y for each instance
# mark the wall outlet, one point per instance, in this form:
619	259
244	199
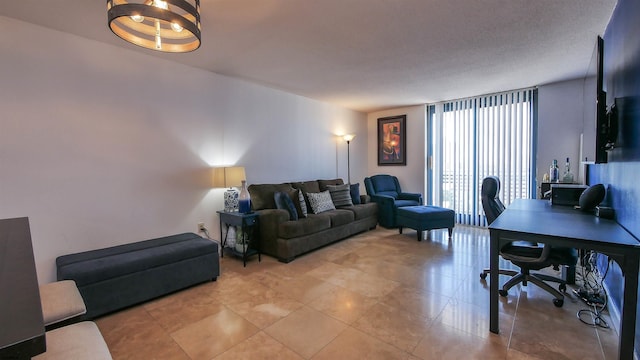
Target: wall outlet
201	227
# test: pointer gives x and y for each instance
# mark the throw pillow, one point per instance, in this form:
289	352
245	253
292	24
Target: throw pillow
283	201
320	202
340	195
301	205
354	190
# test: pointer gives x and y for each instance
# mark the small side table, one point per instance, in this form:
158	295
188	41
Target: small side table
248	224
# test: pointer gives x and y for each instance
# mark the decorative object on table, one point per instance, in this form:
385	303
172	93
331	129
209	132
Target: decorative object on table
392	143
567	177
244	199
229	177
161	25
554	172
348	138
242	240
592	197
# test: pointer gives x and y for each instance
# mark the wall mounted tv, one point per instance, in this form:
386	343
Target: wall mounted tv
601	105
606	119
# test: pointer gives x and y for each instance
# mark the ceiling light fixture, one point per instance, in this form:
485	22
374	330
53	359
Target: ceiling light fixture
162	25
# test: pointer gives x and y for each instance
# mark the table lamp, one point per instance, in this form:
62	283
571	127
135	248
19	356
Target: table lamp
230	178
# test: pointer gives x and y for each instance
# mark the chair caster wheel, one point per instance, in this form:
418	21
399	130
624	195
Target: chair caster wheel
504	293
562	288
558	302
483	276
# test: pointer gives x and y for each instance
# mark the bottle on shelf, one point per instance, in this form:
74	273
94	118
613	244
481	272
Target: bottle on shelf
567	177
554	172
244	200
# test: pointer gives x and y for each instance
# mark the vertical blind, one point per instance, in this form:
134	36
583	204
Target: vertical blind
477	137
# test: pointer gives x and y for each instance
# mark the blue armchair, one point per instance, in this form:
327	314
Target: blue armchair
385	191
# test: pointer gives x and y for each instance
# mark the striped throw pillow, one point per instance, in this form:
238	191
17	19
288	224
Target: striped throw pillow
340	195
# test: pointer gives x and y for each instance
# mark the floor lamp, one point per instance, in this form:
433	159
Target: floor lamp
348	139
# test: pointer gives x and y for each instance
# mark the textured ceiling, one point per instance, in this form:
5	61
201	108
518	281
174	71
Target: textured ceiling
369	55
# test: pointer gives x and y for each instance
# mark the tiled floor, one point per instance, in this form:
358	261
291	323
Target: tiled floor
377	295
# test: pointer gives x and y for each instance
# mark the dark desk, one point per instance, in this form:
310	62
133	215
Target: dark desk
21	324
538	220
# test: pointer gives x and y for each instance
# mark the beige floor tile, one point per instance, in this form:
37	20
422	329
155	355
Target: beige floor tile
472	319
342	304
304	288
446	343
416	301
266	308
213	335
355	280
394	326
354	344
259	347
306	331
133	334
184	310
536	333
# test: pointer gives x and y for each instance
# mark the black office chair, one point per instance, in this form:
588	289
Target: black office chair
524	254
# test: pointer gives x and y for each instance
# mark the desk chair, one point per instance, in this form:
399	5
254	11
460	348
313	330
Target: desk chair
526	255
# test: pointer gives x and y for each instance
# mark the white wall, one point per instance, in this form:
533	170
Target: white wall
561	120
102	146
411	176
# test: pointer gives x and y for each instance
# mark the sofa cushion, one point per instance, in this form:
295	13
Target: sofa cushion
307	186
320	202
363	211
340	195
262	195
304	226
354	191
339	217
283	201
324	184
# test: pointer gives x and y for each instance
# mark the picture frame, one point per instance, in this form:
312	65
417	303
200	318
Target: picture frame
392	140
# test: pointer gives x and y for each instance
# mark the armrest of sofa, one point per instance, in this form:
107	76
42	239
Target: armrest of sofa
365	199
269	221
410	196
384	201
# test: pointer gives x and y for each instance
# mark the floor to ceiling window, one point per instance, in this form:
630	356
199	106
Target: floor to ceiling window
477	137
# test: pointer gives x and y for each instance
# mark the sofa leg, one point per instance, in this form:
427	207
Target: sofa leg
400	228
419	235
450	232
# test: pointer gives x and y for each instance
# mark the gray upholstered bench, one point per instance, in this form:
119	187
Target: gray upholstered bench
421	218
117	277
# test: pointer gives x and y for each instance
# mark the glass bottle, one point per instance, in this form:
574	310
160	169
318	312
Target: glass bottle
554	172
567	177
244	200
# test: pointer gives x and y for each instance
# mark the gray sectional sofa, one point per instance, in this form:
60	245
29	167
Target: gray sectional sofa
285	238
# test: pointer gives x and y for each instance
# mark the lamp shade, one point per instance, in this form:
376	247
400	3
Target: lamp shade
348	137
162	25
228	176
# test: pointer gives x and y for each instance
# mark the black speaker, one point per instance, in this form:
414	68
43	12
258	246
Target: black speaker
592	197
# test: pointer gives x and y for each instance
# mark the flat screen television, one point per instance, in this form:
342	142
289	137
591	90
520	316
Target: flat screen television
602	128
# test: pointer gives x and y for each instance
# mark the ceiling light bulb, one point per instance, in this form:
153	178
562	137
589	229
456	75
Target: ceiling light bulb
137	18
176	27
161	4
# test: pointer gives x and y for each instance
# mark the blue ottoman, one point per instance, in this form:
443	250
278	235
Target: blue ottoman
421	218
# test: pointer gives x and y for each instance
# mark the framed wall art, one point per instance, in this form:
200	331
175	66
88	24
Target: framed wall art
392	140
